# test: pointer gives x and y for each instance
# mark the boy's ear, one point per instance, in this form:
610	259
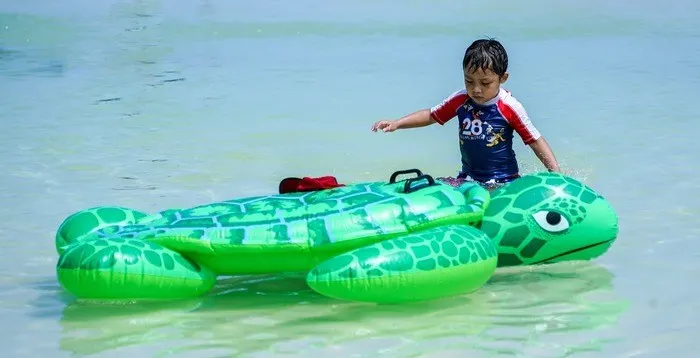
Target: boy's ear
504	78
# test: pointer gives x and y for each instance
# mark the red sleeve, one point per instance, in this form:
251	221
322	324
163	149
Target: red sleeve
517	117
447	110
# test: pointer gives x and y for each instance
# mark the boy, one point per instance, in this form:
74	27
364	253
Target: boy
487	115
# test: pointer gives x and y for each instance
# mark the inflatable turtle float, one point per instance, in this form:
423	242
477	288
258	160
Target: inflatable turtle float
387	241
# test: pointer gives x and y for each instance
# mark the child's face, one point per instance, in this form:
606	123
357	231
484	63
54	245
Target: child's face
482	85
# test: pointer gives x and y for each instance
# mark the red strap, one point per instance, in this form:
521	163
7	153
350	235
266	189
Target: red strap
293	185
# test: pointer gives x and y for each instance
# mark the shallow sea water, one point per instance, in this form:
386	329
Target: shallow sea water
153	104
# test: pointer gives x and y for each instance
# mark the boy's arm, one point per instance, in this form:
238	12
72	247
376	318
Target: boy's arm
416	119
440	114
544	152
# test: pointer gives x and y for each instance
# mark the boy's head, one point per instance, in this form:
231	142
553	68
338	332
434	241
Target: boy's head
485	67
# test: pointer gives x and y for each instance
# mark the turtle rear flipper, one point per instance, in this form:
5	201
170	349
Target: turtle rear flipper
439	262
132	269
84	224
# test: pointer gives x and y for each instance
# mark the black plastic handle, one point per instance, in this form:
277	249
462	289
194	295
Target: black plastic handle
393	177
407	188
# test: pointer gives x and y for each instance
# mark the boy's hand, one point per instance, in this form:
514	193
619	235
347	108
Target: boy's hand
384	126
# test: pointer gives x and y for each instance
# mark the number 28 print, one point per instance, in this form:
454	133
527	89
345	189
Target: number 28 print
472	127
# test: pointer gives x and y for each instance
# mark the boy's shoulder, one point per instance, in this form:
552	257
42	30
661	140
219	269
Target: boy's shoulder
458	94
506	99
514	113
447	109
505	95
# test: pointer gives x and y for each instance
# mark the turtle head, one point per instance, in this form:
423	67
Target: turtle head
546	218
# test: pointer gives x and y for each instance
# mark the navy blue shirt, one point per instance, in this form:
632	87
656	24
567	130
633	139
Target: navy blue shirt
486	133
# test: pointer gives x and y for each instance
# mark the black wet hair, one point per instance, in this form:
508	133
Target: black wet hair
486	54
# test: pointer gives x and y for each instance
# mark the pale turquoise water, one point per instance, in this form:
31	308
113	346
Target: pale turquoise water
152	105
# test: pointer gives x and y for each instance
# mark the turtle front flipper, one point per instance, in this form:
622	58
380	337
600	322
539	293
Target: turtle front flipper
132	269
439	262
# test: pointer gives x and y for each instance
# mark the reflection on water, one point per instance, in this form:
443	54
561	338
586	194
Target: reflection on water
520	310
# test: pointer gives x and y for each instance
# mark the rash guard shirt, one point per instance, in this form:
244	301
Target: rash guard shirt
485	133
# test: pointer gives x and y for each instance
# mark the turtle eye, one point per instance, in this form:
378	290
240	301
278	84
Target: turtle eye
551	221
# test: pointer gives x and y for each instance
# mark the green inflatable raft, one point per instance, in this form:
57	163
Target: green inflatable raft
390	241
